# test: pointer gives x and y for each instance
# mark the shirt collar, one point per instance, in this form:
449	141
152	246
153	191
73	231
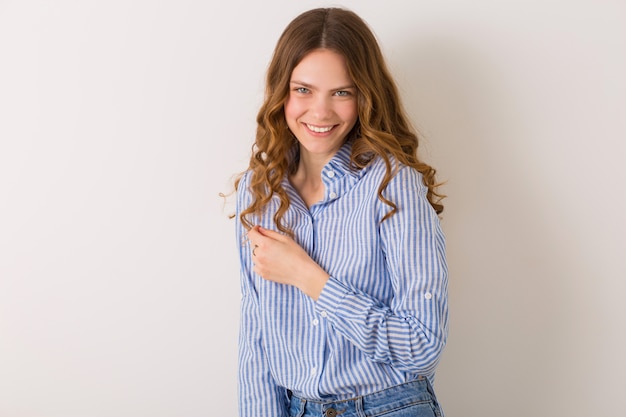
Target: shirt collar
340	162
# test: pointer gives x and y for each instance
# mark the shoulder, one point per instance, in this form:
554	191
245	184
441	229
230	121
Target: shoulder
244	195
244	180
403	177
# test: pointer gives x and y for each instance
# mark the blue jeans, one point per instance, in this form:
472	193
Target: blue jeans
413	399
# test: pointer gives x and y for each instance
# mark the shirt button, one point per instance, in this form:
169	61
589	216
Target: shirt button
324	314
313	370
428	296
316	322
333	195
331	174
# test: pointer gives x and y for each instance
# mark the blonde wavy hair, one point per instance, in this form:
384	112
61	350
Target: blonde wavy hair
382	127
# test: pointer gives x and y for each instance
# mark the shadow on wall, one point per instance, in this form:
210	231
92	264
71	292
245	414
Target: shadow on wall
514	314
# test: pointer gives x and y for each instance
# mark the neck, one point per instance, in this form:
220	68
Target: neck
310	166
307	179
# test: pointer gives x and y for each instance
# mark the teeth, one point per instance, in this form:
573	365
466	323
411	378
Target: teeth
319	129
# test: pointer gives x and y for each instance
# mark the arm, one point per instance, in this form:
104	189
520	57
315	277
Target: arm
409	334
259	395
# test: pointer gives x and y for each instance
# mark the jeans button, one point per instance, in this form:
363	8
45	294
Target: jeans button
331	412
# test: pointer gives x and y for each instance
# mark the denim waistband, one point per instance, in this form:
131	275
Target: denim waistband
414	393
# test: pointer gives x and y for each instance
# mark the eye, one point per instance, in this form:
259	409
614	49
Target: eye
342	93
301	90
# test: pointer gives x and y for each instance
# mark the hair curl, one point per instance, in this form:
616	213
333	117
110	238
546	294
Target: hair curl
382	127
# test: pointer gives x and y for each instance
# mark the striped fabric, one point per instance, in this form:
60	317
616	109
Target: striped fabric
381	319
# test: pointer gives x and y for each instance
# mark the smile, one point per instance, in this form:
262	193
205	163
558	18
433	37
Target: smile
319	129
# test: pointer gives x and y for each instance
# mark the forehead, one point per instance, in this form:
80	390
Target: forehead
321	66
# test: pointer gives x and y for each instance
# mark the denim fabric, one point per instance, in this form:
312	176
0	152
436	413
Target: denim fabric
413	399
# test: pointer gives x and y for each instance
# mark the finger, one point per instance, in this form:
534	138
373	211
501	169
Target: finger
254	236
271	234
257	240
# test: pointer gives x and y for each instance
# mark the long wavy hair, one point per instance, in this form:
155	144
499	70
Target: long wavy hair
382	128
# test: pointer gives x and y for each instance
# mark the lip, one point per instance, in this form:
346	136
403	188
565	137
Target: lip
308	126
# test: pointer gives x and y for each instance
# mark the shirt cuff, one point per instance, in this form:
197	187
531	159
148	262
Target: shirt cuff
331	297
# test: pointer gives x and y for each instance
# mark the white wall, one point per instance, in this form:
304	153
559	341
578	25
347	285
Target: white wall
122	120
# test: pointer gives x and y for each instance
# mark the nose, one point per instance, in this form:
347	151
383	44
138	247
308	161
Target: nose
322	107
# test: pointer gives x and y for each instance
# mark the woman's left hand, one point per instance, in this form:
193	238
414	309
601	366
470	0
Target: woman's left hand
280	259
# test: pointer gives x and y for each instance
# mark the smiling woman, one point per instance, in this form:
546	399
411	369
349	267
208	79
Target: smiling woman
320	112
343	267
319	109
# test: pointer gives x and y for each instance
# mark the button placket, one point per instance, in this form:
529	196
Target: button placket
332	175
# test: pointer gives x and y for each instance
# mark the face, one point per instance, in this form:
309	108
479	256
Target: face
321	108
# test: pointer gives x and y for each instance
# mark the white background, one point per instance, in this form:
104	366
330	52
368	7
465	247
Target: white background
121	121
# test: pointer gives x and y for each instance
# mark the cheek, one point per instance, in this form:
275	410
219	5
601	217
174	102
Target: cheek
290	118
350	112
292	109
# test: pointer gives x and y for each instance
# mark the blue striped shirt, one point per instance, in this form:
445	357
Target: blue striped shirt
381	319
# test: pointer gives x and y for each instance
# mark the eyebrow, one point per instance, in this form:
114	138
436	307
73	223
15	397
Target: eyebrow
307	85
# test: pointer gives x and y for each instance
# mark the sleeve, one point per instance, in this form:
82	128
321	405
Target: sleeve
408	334
259	395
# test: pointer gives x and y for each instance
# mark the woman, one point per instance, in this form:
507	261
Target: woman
343	270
